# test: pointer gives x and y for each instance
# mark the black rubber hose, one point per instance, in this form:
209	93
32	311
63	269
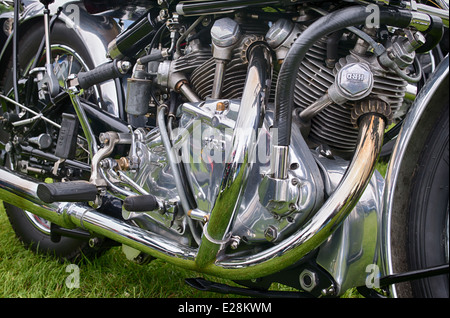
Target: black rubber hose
351	16
99	74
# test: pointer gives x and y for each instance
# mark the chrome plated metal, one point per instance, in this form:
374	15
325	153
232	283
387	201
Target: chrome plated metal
47	37
207	113
354	244
279	162
431	10
21	192
331	214
236	208
258	215
281	35
242	152
279	196
203	138
420	21
263	263
110	140
172	159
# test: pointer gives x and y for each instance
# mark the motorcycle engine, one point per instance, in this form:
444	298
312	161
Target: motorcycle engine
203	126
333	126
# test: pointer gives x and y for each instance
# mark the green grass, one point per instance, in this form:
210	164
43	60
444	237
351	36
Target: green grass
29	275
26	274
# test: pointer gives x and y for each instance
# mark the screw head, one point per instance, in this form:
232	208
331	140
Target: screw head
225	32
271	233
355	79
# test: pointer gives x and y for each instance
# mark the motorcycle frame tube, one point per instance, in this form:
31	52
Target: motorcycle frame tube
409	144
219	7
175	171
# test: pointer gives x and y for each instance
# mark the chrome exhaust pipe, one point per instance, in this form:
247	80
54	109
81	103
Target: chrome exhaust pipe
20	191
330	215
235	176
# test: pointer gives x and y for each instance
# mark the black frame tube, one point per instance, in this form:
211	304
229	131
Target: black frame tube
15	48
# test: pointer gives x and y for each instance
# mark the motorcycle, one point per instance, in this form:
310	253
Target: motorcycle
233	138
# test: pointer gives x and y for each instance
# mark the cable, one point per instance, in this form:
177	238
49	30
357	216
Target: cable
15	40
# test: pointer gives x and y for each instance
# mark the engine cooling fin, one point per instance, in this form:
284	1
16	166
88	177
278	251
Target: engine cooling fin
333	126
202	78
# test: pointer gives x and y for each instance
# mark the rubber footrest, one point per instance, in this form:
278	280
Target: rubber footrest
141	203
73	191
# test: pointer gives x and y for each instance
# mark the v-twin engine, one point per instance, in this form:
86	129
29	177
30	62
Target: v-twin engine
203	129
233	139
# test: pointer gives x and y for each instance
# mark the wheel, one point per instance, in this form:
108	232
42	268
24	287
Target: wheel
69	56
420	231
429	213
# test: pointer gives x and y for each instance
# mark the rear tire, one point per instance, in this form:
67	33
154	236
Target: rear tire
32	231
429	213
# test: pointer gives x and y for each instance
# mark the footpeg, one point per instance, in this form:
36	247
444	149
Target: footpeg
73	191
141	203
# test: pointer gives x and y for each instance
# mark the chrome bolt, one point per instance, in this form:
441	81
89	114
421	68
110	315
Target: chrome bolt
235	240
271	233
330	291
93	242
308	280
